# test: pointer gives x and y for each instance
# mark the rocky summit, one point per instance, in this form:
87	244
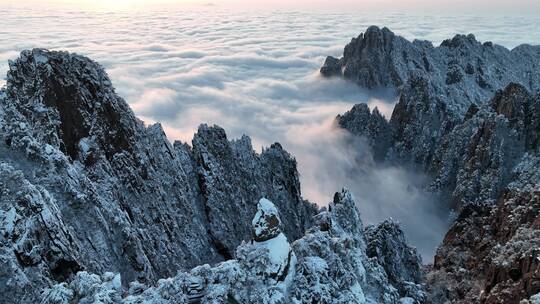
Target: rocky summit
97	207
437	86
468	115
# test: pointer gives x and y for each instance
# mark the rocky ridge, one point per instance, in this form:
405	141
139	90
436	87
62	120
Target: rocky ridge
468	115
87	186
440	89
491	253
95	206
327	265
436	85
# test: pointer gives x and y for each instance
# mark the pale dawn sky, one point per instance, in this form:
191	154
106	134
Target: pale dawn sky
464	6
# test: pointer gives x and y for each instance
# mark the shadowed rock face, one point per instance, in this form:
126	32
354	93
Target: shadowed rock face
79	92
386	242
371	125
490	255
87	186
461	69
367	59
474	161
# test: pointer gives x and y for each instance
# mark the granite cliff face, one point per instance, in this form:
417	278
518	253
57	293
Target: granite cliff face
491	253
95	206
468	116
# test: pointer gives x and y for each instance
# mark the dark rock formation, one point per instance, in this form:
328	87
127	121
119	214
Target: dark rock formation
87	186
369	59
461	70
266	223
433	125
386	242
490	255
370	125
474	161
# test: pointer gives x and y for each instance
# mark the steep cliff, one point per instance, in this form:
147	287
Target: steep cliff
469	116
440	89
87	186
491	253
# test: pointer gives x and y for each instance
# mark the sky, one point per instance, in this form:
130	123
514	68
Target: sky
461	6
256	73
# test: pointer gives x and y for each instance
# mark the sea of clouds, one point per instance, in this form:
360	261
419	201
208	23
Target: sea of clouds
256	73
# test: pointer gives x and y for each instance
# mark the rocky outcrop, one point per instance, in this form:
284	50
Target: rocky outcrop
474	161
231	176
327	265
461	70
87	186
370	125
435	124
490	255
468	115
402	264
437	85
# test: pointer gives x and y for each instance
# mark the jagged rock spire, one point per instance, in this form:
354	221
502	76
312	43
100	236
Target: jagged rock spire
266	223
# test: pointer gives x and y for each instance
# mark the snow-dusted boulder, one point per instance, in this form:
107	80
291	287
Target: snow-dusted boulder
266	223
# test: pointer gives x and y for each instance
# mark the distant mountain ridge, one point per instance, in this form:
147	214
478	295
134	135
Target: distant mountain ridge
469	116
439	88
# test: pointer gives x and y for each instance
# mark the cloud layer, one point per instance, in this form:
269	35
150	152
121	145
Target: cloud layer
256	74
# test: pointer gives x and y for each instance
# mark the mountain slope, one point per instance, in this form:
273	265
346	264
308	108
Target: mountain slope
327	265
97	207
469	116
440	88
437	85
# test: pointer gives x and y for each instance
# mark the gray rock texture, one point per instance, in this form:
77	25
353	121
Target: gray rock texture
440	89
474	161
97	207
491	253
371	125
468	115
327	265
87	186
